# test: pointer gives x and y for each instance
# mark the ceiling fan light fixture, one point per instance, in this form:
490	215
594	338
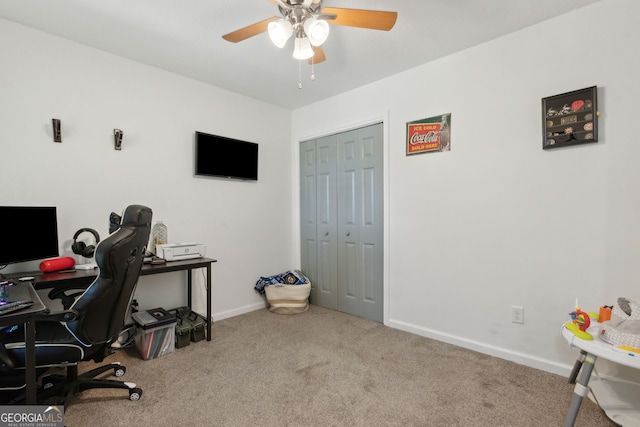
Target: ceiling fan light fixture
317	30
279	32
302	49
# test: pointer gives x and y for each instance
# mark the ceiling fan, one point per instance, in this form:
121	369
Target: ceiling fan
309	22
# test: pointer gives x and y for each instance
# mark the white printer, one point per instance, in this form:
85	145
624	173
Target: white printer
180	251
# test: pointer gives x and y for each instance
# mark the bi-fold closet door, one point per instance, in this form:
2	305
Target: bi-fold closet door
341	206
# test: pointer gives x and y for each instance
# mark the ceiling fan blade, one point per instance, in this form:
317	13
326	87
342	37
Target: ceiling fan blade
327	16
362	18
277	2
318	55
249	31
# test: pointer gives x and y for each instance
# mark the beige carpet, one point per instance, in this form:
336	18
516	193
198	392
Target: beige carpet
325	368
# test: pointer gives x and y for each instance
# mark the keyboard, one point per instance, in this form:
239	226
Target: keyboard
10	307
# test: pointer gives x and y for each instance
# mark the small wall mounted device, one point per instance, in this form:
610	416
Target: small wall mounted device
57	130
117	137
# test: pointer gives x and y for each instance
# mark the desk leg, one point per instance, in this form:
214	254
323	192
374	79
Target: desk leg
189	288
209	320
208	285
581	389
30	360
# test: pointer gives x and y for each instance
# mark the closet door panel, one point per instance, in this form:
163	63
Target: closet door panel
370	222
349	280
359	218
326	217
308	213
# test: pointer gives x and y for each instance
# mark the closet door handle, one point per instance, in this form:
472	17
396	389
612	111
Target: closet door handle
326	233
348	234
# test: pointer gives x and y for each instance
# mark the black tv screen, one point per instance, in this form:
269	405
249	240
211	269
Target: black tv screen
220	156
29	233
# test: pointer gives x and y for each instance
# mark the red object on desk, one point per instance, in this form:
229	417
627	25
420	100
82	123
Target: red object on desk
56	264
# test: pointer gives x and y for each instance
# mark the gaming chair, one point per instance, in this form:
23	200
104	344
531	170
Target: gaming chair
86	329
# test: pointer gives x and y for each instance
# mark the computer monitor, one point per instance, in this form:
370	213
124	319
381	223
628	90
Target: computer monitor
28	233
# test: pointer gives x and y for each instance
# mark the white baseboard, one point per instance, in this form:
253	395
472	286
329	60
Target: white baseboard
238	311
502	353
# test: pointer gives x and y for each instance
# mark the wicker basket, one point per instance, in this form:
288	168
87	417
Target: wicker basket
288	299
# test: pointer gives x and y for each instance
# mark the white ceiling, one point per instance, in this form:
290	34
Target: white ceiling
185	37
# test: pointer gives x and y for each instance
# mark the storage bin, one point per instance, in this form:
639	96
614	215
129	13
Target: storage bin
190	326
288	299
157	338
198	324
183	333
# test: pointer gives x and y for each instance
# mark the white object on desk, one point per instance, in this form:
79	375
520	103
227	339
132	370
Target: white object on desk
620	400
89	266
180	251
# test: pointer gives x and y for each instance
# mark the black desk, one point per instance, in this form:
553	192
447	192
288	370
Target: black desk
82	278
25	291
186	265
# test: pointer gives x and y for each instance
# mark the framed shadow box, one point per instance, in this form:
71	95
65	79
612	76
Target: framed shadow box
570	118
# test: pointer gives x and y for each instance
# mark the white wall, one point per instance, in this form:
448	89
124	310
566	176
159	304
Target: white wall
498	221
245	225
493	223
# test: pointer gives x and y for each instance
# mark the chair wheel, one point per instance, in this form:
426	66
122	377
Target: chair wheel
49	381
119	371
135	394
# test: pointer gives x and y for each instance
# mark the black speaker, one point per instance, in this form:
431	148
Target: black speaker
81	248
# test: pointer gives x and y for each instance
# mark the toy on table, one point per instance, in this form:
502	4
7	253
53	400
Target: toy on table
605	313
631	351
580	322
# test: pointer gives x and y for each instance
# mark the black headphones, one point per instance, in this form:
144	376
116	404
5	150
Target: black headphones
81	248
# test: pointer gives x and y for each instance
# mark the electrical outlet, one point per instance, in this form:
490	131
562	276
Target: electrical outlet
517	314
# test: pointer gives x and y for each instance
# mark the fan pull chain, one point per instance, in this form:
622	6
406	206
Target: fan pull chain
313	76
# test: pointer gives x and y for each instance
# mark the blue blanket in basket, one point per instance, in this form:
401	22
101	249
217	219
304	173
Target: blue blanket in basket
291	277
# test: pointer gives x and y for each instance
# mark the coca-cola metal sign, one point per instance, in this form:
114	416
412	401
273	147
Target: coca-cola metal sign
426	135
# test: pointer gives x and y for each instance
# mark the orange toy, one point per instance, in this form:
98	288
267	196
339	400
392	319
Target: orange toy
605	313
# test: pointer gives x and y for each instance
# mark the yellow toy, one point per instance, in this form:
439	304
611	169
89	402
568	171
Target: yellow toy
629	349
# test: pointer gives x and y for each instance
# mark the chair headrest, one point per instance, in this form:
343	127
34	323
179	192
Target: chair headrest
137	215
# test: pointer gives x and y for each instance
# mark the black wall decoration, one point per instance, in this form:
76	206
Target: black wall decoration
570	118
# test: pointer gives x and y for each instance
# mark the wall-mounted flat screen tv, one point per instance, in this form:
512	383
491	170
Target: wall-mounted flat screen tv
224	157
34	236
